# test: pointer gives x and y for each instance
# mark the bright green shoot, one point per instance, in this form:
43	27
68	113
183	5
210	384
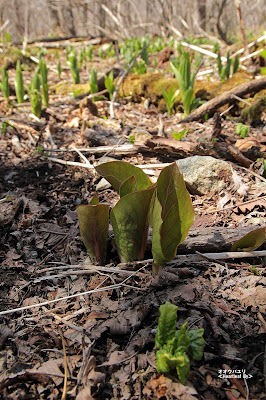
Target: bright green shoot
109	84
36	103
93	81
19	86
73	65
5	84
44	80
185	81
225	70
176	347
169	98
59	69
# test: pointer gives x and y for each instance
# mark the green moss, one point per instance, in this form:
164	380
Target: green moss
65	88
146	85
237	79
10	56
252	114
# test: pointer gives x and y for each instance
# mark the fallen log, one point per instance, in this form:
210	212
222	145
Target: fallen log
210	239
226	98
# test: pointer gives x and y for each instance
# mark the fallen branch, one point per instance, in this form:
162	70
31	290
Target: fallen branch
212	105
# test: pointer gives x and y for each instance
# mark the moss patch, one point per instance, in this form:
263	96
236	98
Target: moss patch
10	56
66	88
253	113
147	86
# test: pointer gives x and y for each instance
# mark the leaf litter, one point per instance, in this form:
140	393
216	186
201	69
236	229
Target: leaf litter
109	334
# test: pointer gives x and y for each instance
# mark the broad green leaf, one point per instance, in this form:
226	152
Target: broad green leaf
128	186
117	172
166	362
94	227
166	324
182	339
94	200
187	99
197	343
182	367
173	215
162	361
130	221
251	241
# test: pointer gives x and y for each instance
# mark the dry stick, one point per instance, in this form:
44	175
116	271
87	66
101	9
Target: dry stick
106	288
116	149
241	23
65	365
122	77
76	164
260	39
203	51
210	106
236	205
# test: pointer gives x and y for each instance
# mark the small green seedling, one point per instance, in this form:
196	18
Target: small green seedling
36	103
179	135
109	83
242	130
89	52
131	139
19	86
36	82
254	270
176	347
169	98
186	81
225	70
4	84
93	81
59	69
44	81
73	65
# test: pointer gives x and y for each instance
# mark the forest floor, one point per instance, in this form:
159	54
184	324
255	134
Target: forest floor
98	324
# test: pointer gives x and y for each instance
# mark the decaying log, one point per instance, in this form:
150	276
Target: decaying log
213	239
212	105
210	239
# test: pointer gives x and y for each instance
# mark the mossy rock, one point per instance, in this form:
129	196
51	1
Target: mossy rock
252	114
10	56
237	79
65	88
148	85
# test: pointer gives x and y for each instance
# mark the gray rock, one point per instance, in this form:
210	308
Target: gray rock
205	174
103	185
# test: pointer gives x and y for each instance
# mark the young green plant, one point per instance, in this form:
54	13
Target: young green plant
185	81
59	69
242	130
93	81
73	65
225	70
36	102
44	81
19	86
4	84
168	202
176	347
109	83
94	224
169	98
36	82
